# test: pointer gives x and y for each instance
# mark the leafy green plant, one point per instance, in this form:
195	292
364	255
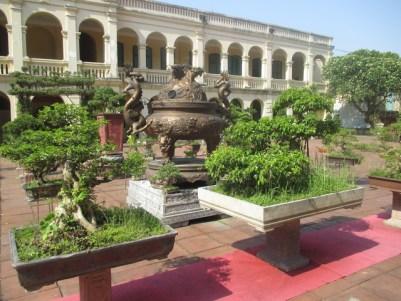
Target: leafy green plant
272	170
341	145
134	164
13	129
390	133
365	79
392	168
167	175
106	100
189	153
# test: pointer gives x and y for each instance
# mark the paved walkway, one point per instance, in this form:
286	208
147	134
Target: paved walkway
204	239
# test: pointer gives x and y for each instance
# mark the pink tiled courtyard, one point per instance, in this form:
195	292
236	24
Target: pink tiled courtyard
200	241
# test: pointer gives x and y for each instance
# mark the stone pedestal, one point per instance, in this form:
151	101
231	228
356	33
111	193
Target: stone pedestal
282	247
95	286
175	209
395	219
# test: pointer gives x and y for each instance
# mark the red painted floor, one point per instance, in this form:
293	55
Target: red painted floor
335	252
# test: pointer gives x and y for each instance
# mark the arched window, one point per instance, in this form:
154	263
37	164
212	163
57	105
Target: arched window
91	43
127	48
183	51
43	37
156	51
237	102
213	57
39	102
298	61
235	59
318	64
278	64
255	61
214	63
3	35
256	110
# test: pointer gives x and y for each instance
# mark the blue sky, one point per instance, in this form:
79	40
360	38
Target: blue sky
354	24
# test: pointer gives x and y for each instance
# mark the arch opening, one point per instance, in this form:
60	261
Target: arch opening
156	51
91	41
183	51
39	102
5	112
255	61
43	37
318	63
237	102
279	60
235	59
3	35
213	57
127	48
256	109
298	65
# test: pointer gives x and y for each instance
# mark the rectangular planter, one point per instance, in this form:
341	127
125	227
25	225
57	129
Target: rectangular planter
266	218
35	274
385	183
280	222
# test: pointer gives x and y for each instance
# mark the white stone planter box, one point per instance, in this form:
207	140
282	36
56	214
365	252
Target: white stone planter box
280	222
268	217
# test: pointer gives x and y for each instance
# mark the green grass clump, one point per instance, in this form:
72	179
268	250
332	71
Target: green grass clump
118	225
321	181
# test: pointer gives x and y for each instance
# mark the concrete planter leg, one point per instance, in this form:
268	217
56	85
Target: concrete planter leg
395	220
282	248
95	286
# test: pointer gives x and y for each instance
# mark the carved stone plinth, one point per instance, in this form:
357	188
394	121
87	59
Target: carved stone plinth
175	209
95	286
282	247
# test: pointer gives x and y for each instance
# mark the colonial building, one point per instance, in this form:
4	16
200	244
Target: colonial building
99	37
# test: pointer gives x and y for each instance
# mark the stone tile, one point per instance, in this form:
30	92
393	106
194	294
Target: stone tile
389	264
229	236
211	227
11	289
333	288
354	294
233	222
199	243
136	273
49	294
178	251
186	232
309	296
68	287
396	272
385	286
216	252
364	275
7	270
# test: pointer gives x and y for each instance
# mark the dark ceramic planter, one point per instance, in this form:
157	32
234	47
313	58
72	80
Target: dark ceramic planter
35	274
113	131
46	191
385	183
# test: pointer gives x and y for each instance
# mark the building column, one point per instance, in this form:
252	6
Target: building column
142	56
311	66
112	51
106	43
71	46
224	62
199	49
267	66
245	66
78	46
64	34
195	54
169	56
10	39
15	47
288	73
24	45
306	72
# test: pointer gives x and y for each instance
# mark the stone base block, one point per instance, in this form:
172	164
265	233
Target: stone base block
174	209
95	286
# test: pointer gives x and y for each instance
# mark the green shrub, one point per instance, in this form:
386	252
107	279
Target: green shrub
390	133
392	168
106	100
167	175
276	169
62	115
134	164
13	129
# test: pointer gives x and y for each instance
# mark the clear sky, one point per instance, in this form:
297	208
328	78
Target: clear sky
354	24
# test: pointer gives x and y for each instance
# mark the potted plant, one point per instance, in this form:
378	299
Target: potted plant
389	178
107	105
340	148
134	165
166	178
264	179
81	238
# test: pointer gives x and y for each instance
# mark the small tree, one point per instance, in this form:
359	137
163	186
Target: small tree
308	107
365	79
106	100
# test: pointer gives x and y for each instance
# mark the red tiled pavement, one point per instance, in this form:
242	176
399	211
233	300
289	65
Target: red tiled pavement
222	237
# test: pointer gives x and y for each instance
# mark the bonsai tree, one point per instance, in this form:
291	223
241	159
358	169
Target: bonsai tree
167	176
340	145
106	100
308	108
365	79
12	130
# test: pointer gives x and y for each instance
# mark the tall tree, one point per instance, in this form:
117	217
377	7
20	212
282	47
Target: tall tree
365	79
